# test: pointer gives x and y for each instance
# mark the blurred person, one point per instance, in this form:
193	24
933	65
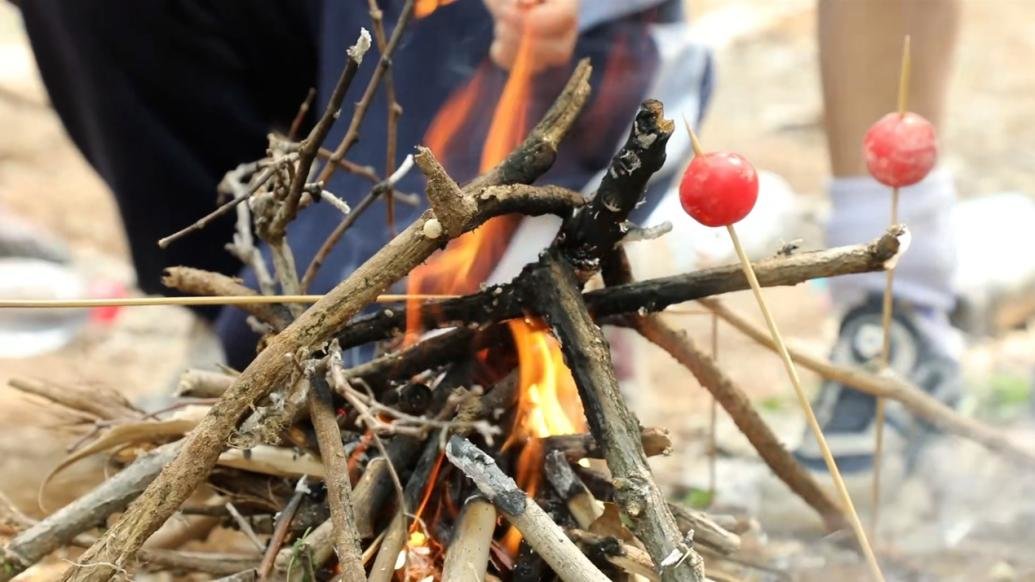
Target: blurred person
164	97
860	46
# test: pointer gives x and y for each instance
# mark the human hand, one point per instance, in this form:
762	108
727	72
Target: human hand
552	27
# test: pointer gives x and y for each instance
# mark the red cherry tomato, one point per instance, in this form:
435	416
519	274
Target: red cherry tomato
719	188
900	149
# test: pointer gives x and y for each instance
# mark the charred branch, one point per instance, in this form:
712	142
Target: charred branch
580	502
610	420
545	536
499	303
629	559
655	441
595	230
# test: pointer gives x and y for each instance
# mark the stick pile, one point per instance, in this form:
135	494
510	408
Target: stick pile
401	467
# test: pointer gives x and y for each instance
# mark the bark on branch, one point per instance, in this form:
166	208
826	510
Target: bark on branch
339	490
611	422
593	232
203	283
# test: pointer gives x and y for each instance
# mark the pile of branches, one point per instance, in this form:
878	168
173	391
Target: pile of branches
322	467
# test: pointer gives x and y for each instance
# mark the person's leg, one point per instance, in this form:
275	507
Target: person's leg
860	49
164	96
860	54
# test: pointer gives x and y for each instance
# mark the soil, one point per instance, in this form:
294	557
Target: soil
962	515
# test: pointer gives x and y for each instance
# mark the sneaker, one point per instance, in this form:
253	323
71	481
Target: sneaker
923	350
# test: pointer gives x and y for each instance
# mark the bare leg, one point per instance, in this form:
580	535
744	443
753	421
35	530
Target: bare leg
860	46
860	43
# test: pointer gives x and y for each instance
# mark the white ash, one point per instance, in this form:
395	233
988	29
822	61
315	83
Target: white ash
432	228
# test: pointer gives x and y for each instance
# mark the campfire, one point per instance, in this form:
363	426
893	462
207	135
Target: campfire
489	439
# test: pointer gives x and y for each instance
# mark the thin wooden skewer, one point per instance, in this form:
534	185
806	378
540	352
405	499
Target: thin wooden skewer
887	304
204	300
712	419
810	415
803	400
678	311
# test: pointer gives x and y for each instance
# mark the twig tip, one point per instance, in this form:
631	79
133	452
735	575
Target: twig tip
358	50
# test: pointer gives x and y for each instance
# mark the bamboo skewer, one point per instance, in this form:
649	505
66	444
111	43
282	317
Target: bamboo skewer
713	449
887	304
810	415
195	301
803	400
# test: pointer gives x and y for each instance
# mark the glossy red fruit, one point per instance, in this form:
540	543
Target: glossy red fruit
900	149
718	188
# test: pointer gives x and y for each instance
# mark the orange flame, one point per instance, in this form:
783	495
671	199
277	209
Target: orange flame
548	404
424	8
469	259
548	401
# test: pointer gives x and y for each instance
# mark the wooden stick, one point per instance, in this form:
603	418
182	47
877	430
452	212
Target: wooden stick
656	441
713	448
501	302
90	510
611	421
810	415
394	110
545	536
277	363
214	564
195	301
581	503
339	490
629	559
738	405
195	383
887	305
903	79
468	555
280	529
393	543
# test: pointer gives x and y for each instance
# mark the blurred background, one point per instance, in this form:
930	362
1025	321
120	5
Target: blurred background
973	513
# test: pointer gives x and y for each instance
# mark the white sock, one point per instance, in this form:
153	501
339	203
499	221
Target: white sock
861	209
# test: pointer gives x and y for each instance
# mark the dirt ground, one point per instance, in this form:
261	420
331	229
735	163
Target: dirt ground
967	515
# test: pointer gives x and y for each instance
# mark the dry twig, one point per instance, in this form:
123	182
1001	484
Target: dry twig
611	422
339	490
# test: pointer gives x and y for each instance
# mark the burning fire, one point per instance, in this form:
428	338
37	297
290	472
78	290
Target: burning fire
424	8
548	401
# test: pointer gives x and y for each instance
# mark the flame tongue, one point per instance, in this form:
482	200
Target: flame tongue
548	402
469	259
423	8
